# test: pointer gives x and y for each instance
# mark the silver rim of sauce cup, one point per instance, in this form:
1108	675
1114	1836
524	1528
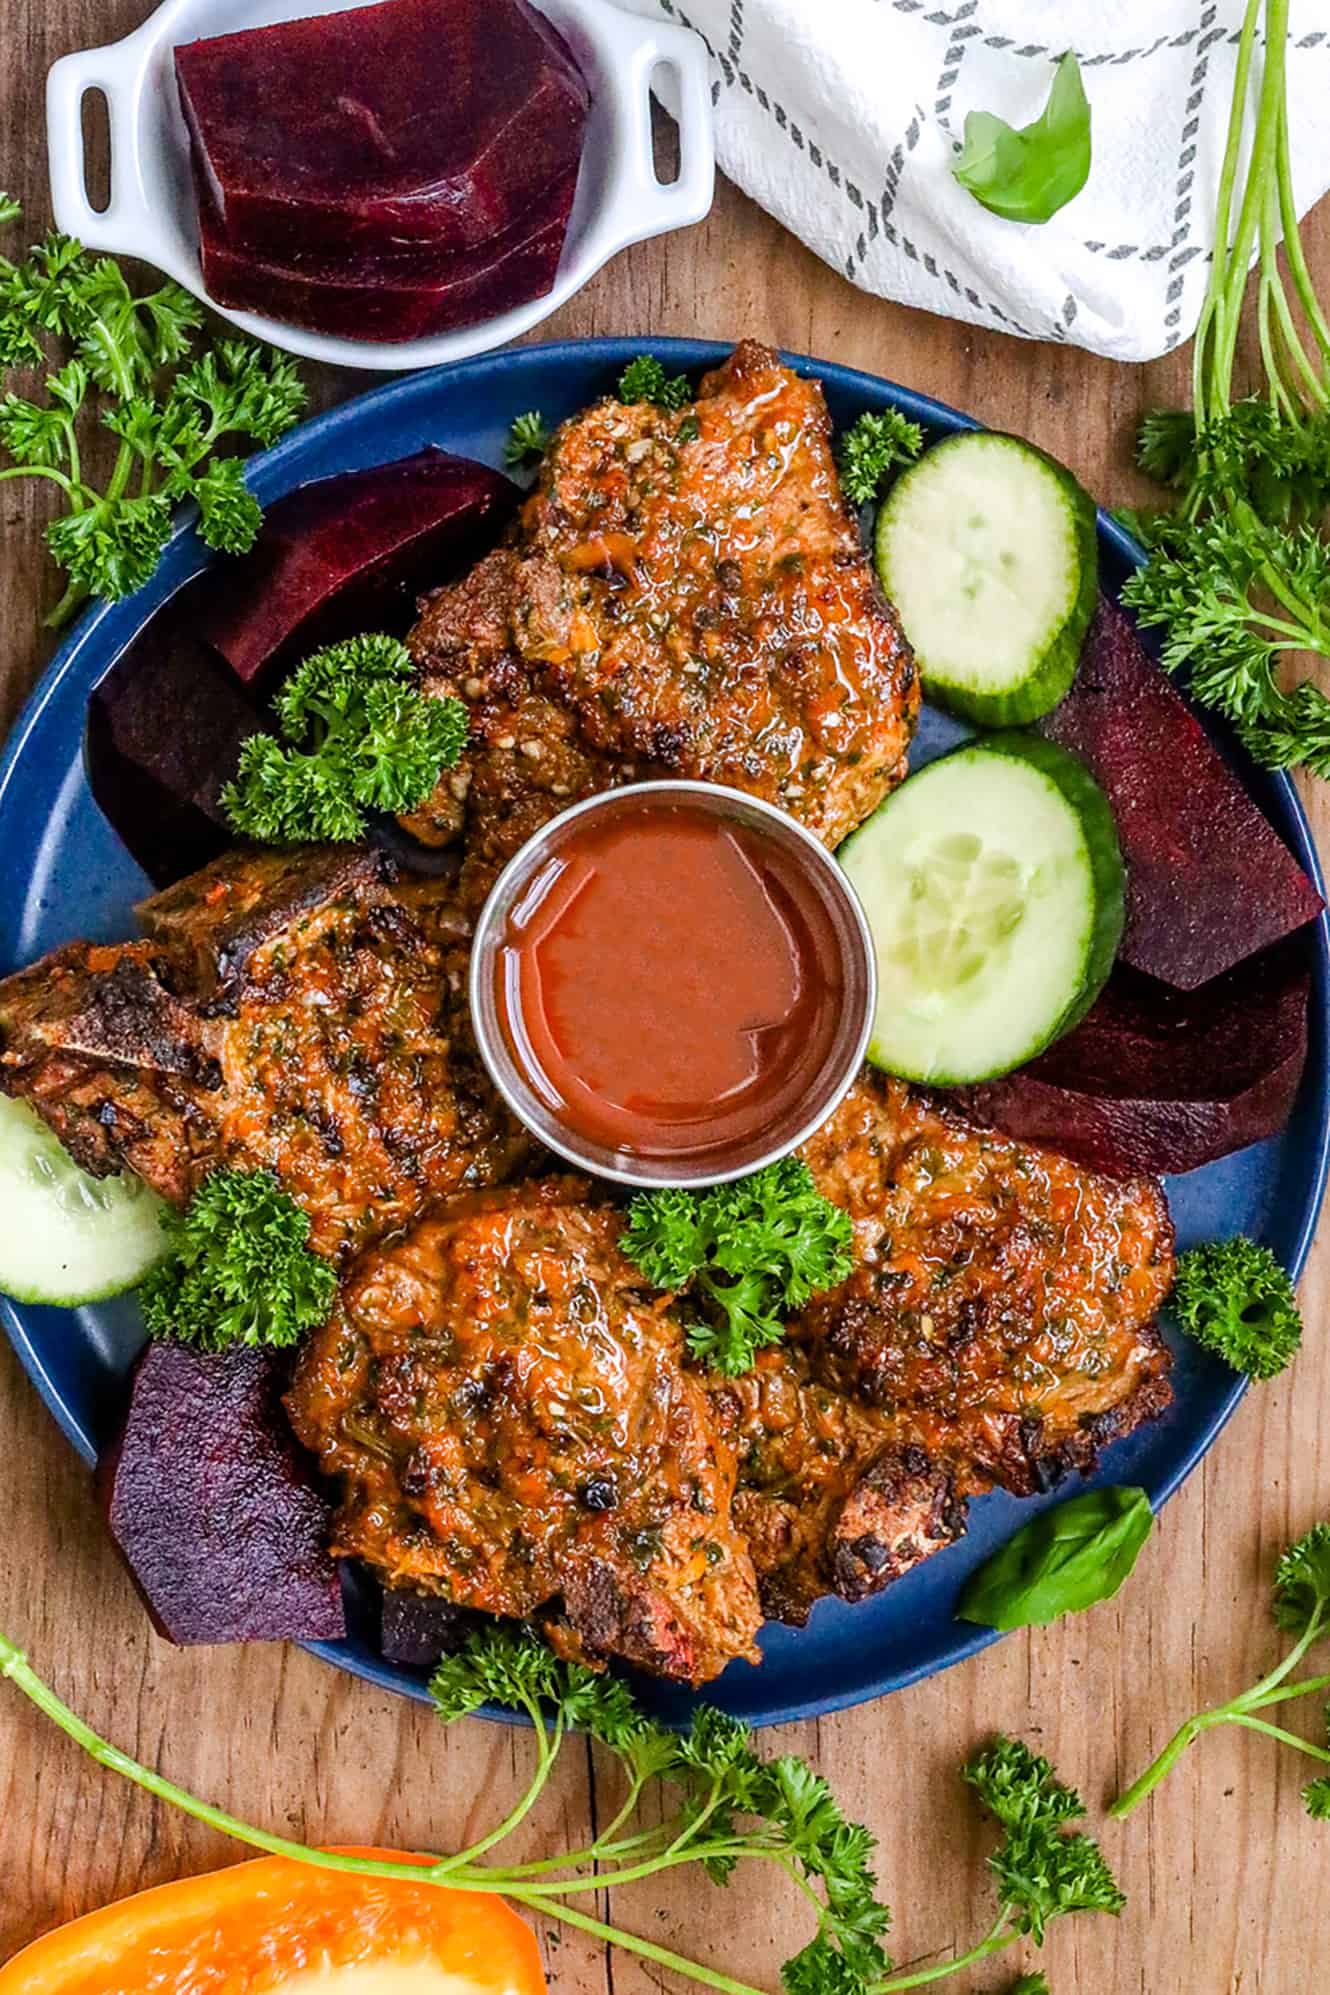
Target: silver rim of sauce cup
858	966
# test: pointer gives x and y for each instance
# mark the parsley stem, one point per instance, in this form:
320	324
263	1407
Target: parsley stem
1211	323
1305	637
1160	1767
547	1752
1228	176
1272	297
1307	1688
1244	238
1237	1711
1285	1668
1297	261
630	1943
15	1666
120	470
71	490
1307	633
796	1877
1264	307
609	1880
76	594
604	1844
1296	636
690	1827
1296	350
1278	1732
600	1851
1000	1936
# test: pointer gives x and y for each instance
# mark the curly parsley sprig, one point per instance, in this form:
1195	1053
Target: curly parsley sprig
528	439
128	359
1302	1609
239	1269
645	380
1233	1298
872	448
359	737
747	1253
1238	575
727	1807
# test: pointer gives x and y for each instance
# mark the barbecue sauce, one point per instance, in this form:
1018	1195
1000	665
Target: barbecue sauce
671	982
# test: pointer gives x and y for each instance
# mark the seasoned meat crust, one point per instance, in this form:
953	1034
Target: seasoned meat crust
1002	1307
997	1330
294	1011
829	1499
685	593
506	1405
93	1037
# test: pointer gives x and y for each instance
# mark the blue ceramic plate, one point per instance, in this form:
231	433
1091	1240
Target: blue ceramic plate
63	873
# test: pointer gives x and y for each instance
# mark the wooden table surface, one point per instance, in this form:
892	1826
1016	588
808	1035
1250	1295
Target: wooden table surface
1228	1883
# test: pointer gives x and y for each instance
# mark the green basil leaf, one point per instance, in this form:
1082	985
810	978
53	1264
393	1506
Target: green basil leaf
1063	1561
1027	175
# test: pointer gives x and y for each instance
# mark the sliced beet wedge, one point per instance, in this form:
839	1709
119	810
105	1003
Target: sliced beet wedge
1209	880
349	553
213	1506
391	293
164	732
1155	1080
415	121
342	554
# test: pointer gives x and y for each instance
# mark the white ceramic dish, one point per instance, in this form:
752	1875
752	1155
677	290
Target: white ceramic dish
151	212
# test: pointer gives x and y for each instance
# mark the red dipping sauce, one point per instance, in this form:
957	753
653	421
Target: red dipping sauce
673	981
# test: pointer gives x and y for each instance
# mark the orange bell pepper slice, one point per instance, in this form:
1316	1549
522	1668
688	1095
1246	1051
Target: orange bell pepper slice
278	1927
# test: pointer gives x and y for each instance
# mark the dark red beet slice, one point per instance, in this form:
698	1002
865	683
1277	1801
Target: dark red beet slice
438	121
349	553
374	294
1158	1080
164	731
213	1507
418	1628
342	554
1209	881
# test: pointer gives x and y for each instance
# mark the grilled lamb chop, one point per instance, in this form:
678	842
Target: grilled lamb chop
686	594
997	1330
506	1405
1002	1309
294	1011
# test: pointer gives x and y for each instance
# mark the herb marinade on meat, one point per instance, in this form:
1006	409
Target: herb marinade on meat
508	1407
299	1012
998	1330
685	593
506	1404
1002	1309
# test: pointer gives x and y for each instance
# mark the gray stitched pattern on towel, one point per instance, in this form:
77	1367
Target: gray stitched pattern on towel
842	117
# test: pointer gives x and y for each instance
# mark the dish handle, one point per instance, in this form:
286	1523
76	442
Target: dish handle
127	222
673	62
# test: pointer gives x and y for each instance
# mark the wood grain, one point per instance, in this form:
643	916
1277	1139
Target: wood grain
1228	1883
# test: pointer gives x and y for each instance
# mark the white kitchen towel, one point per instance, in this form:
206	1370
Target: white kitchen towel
842	118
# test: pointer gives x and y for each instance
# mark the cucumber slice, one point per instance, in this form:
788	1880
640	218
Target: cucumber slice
987	548
66	1237
993	885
